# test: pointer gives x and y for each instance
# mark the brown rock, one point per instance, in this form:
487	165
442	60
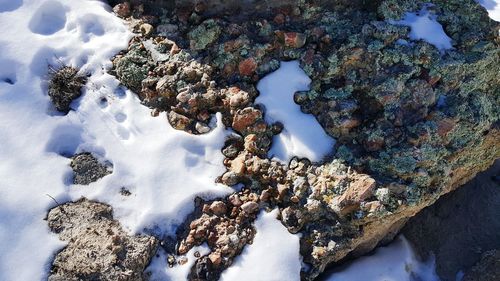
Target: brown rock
247	67
215	258
218	208
122	10
235	200
245	118
238	164
178	121
146	29
359	190
294	39
250	207
279	18
251	143
97	245
174	49
445	126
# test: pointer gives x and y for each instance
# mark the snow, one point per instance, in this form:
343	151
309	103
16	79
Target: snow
424	26
302	135
396	262
493	8
273	255
152	160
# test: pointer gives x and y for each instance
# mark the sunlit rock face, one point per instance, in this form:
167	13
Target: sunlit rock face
413	118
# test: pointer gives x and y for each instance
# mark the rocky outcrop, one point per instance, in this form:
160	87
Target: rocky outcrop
412	122
98	248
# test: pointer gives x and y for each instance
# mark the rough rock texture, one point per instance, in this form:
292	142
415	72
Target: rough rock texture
65	84
98	248
487	269
412	122
460	226
88	169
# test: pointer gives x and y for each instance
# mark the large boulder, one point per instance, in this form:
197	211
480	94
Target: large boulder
412	121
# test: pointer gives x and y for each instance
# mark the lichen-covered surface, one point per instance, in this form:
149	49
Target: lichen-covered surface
412	122
98	248
87	169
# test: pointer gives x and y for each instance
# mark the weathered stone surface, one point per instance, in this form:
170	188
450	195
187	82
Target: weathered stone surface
98	248
87	169
418	121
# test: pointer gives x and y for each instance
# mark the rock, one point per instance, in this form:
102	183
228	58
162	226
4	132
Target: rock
244	118
247	67
202	128
146	29
87	169
98	248
418	121
294	39
250	207
359	190
251	143
178	121
238	164
65	85
215	258
238	97
122	9
230	178
218	208
203	35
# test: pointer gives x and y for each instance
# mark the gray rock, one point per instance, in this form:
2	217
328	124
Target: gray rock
88	169
98	248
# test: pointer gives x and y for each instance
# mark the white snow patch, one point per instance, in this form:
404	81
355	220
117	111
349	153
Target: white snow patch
493	8
273	255
161	272
424	26
302	135
396	262
163	168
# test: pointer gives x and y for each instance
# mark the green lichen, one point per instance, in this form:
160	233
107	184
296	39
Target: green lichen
205	34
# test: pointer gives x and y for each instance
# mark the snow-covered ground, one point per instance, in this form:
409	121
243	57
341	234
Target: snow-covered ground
152	160
302	135
424	26
396	262
273	256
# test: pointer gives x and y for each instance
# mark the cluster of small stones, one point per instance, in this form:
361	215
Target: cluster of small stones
412	122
